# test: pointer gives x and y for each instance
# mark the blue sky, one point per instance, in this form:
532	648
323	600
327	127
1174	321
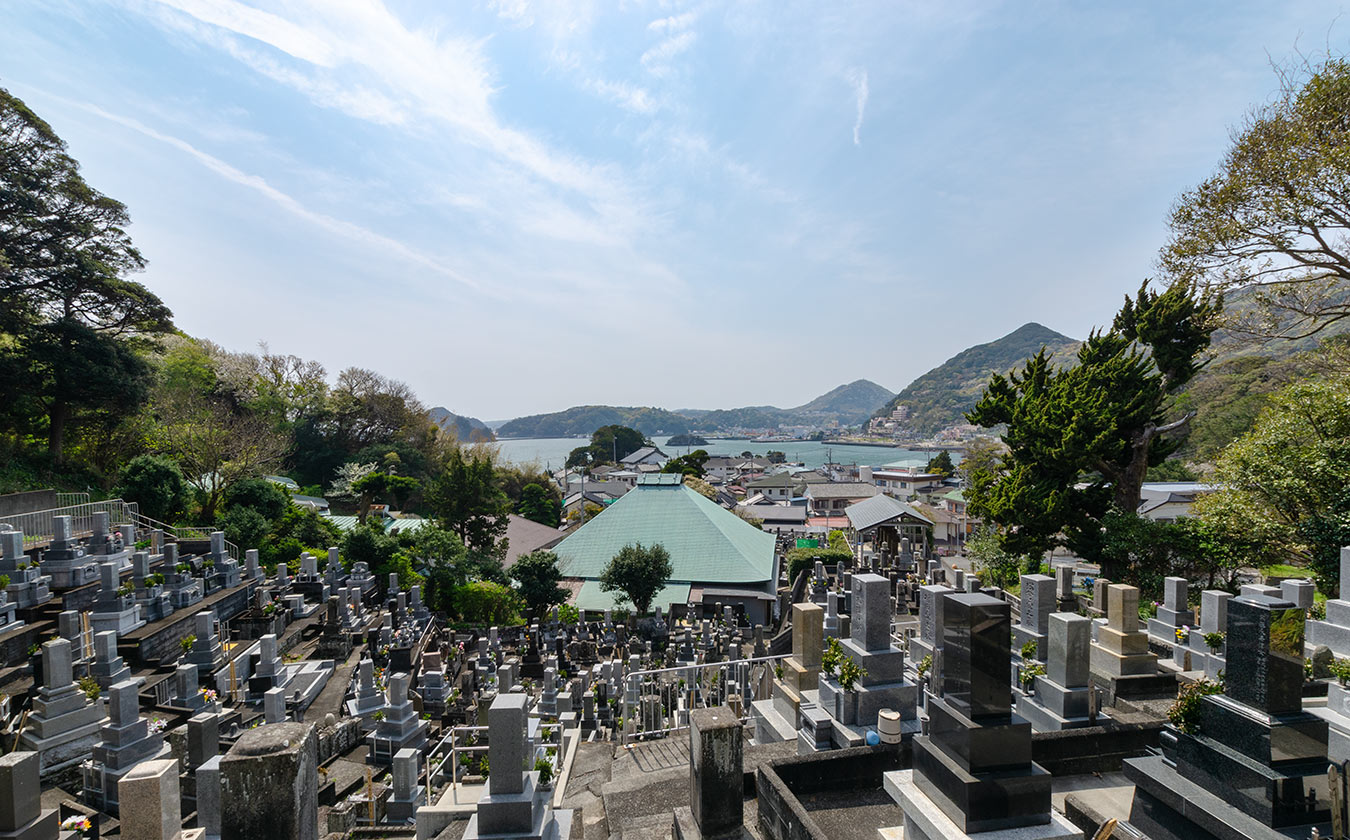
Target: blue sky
519	206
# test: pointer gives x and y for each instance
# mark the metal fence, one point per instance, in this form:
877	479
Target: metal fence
708	693
39	526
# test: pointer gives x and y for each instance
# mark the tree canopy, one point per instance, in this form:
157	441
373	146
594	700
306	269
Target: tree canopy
637	573
537	576
74	328
1080	440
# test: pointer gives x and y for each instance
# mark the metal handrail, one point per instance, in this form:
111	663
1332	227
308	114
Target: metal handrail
680	669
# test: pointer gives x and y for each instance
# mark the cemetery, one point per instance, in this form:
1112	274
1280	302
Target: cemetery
174	691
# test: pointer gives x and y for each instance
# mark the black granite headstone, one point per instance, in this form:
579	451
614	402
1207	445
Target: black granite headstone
976	650
1265	654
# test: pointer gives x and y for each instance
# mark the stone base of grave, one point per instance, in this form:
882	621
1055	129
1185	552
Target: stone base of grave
1165	631
924	820
842	736
770	726
683	827
1143	686
65	739
1045	719
47	824
1108	663
123	622
1337	715
1334	635
1022	635
498	815
788	702
1168	806
1017	798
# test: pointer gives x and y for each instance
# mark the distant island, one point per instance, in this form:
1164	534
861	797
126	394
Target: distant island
686	440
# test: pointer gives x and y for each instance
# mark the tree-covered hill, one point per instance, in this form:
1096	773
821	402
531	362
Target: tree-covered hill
581	420
468	429
942	396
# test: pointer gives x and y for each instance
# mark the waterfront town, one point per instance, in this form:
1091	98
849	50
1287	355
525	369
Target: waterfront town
257	580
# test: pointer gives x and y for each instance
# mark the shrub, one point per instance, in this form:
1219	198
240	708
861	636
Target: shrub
1029	674
1185	712
187	642
1340	669
545	769
245	527
259	495
90	687
850	673
804	559
485	602
1029	651
156	485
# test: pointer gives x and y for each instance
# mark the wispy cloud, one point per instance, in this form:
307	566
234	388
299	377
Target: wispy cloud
627	96
657	59
858	78
339	227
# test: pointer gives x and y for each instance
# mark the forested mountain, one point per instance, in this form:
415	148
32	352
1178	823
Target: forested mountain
581	420
850	404
468	429
942	396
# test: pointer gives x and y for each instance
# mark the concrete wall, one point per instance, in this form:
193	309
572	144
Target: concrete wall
27	502
149	650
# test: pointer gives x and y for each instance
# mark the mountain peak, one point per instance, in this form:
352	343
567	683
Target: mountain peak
942	396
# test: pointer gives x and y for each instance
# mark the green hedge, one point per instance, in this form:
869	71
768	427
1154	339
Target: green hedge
805	558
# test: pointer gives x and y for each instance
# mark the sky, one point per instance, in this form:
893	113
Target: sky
519	206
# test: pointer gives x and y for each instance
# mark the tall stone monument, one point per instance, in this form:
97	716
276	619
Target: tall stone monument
1253	762
973	772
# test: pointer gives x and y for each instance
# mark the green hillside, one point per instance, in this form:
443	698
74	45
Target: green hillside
942	396
469	429
850	404
581	420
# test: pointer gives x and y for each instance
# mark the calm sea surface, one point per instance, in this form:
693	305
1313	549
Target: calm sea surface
552	452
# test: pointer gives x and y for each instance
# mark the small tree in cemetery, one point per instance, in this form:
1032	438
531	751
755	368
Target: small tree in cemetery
639	573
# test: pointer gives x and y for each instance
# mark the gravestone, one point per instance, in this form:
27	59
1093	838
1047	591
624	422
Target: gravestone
1175	611
929	640
973	772
514	805
115	608
367	699
408	794
125	741
65	561
716	768
1256	762
401	727
1213	618
883	686
1060	699
28	586
1038	602
107	667
153	809
1120	653
270	777
63	725
22	816
206	653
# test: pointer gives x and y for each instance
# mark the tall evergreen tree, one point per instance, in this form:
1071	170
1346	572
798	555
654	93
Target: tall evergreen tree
75	324
1081	439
